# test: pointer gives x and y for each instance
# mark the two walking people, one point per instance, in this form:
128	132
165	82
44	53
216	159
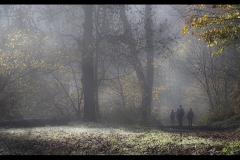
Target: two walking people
179	114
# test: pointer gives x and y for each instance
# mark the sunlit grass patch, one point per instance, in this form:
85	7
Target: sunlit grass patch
82	139
231	148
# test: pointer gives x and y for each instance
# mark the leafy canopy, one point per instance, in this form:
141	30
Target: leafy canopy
217	24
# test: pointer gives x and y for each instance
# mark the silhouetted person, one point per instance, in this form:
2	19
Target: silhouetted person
190	116
172	116
180	114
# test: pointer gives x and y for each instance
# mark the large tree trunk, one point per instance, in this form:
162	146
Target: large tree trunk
150	57
96	65
88	66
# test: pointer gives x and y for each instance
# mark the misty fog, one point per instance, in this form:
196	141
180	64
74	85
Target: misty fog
107	63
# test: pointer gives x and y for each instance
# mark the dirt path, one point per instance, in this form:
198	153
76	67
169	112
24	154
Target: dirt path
204	132
193	128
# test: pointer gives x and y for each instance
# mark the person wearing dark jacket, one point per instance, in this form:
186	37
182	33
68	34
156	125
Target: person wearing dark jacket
190	116
180	114
172	116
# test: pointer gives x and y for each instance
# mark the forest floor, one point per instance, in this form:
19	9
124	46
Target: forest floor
79	138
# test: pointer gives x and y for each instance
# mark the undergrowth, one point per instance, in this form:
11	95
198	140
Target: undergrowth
230	123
